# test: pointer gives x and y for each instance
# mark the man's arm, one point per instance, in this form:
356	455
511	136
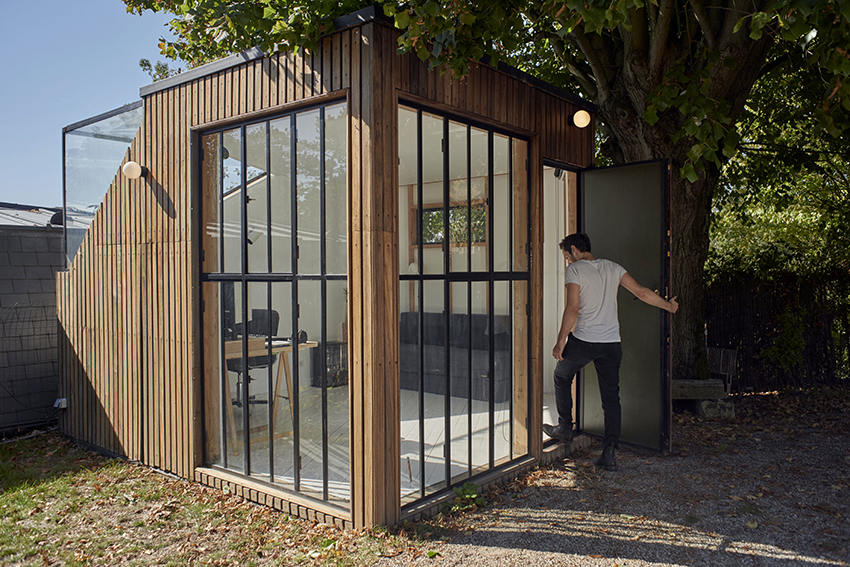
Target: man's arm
568	320
647	295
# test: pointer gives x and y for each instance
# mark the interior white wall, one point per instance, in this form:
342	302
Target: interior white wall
555	215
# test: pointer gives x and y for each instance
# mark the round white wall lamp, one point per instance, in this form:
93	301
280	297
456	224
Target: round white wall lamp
581	119
133	170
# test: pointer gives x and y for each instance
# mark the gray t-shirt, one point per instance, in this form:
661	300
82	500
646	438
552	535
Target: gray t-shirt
598	281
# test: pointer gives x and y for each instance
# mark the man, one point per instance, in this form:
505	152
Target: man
592	308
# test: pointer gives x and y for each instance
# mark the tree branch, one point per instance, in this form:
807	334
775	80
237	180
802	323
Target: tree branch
583	43
704	24
658	41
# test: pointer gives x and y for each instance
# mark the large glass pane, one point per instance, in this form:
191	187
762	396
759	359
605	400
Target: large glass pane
336	381
520	205
214	409
409	362
459	211
435	385
501	204
231	198
280	159
210	182
282	453
308	185
93	155
464	359
235	407
310	403
257	205
503	372
336	221
407	191
479	167
481	380
432	222
259	372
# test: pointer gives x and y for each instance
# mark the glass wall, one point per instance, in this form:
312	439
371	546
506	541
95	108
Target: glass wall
463	210
94	150
274	277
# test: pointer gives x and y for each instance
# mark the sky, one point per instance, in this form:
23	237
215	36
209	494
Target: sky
63	61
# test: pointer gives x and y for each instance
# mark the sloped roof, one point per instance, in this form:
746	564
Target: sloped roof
13	214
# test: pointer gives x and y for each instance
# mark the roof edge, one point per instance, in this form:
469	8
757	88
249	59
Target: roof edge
202	71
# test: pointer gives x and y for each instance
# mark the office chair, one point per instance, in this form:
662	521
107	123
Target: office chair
263	323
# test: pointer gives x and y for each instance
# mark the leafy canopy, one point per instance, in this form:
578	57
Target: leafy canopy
675	53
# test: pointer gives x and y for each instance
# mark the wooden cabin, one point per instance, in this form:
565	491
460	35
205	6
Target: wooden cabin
325	289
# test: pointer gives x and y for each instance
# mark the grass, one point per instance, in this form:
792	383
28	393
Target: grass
65	505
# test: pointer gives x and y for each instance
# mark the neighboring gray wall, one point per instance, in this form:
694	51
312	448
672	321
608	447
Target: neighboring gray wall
29	258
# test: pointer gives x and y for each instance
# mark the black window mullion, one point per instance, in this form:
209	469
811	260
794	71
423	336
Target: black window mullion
324	303
225	386
469	381
420	307
243	232
273	401
294	399
447	399
511	295
491	300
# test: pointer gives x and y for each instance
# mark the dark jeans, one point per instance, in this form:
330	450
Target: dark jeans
606	357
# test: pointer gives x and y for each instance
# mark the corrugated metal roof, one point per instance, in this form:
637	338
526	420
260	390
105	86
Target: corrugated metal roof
13	214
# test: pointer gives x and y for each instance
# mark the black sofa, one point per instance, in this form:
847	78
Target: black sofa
459	352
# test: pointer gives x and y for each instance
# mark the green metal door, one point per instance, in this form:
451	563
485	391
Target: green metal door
626	212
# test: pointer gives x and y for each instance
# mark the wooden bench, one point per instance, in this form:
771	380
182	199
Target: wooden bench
721	362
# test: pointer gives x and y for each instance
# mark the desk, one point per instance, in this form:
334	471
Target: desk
259	346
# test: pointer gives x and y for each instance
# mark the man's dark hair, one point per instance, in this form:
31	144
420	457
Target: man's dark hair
580	240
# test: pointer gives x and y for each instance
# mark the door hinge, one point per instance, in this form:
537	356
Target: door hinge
298	311
203	306
203	255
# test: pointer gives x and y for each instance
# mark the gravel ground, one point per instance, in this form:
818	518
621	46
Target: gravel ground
770	487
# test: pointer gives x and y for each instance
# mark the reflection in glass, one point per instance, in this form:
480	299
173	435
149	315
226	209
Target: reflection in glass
281	194
458	358
276	406
503	373
93	156
210	181
463	360
432	185
257	205
411	398
336	242
480	376
215	438
309	196
435	353
501	203
479	167
231	197
282	451
235	416
407	192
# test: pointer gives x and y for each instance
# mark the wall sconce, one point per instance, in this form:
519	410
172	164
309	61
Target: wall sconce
133	170
581	118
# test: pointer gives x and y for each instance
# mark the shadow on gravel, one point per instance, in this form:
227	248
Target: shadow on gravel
768	487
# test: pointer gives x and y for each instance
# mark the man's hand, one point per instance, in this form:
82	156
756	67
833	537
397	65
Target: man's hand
558	351
674	305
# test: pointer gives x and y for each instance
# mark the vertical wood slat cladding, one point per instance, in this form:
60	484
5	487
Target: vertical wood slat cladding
128	305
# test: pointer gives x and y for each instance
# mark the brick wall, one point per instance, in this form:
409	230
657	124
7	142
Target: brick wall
29	258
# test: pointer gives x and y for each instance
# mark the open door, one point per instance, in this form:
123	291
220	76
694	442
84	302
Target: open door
626	212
